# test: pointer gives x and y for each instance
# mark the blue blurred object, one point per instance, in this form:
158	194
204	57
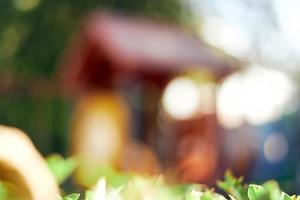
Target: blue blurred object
277	151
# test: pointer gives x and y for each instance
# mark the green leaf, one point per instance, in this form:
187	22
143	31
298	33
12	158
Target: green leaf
273	190
113	194
193	193
285	196
88	195
209	195
234	186
231	197
73	196
3	191
60	167
294	197
255	192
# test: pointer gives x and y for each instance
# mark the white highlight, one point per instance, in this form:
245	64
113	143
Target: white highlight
230	102
229	37
257	95
288	18
182	98
266	93
99	192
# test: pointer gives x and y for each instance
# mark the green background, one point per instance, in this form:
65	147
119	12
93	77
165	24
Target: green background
31	44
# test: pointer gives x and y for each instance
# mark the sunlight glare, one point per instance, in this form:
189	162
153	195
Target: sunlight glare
181	98
288	16
257	95
228	37
229	102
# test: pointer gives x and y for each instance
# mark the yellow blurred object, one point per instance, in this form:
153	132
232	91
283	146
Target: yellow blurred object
200	76
23	166
99	130
100	137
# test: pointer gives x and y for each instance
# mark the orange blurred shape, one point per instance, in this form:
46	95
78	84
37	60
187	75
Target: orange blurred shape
198	166
23	166
139	158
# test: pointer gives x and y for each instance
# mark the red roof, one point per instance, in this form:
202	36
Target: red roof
108	43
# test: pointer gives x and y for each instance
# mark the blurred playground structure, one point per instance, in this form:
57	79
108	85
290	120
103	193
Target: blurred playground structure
147	95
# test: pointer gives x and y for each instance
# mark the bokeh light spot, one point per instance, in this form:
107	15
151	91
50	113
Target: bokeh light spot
257	95
181	98
26	5
230	103
10	40
275	148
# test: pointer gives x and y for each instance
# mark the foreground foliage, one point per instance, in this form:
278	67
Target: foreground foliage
143	188
125	186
